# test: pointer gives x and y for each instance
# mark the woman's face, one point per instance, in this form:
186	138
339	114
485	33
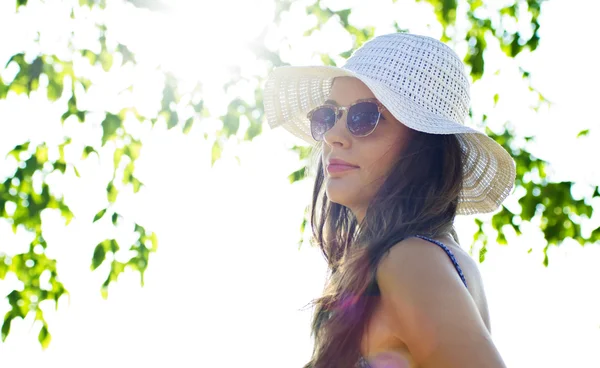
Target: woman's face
374	154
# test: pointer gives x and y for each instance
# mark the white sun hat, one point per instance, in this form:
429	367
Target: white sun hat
423	84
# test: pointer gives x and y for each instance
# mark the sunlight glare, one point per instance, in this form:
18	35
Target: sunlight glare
207	39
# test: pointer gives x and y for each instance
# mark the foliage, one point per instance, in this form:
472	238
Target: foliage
23	199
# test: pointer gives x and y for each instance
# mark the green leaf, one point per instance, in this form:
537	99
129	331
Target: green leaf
80	116
482	253
99	254
346	54
253	131
344	14
54	90
41	154
188	125
510	10
3	267
128	56
154	240
173	119
140	230
137	185
303	226
44	337
111	192
99	215
322	15
21	3
399	29
87	150
109	127
60	166
90	55
198	107
16	151
545	263
327	60
475	53
216	152
106	60
115	218
61	148
170	96
104	289
583	133
3	89
73	110
297	175
127	171
8	317
66	213
117	156
231	124
302	151
133	149
361	35
27	79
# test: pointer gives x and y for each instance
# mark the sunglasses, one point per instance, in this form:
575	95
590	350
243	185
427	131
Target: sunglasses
363	117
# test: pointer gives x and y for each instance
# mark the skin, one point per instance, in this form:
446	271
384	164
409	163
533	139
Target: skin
375	154
433	317
432	320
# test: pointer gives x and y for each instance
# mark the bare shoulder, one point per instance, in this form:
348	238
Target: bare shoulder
421	265
475	281
426	259
468	265
429	308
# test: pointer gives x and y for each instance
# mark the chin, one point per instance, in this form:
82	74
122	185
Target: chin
340	193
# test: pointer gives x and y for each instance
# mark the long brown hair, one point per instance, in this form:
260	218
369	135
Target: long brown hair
418	197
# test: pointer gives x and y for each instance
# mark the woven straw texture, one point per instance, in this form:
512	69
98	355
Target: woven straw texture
423	84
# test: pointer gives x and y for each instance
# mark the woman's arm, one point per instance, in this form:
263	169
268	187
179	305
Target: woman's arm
431	311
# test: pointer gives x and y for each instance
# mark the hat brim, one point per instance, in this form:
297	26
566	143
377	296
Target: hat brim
489	171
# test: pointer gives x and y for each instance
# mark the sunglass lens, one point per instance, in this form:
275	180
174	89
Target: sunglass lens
363	118
321	121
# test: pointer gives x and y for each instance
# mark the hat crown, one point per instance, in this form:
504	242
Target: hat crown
420	68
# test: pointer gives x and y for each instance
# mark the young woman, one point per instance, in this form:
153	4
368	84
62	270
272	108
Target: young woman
396	165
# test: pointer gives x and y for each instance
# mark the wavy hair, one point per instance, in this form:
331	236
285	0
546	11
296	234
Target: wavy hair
419	196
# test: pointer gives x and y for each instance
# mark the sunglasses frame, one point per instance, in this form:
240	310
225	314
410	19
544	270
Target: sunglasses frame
338	109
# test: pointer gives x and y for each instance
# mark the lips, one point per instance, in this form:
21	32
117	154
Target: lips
336	165
337	161
339	168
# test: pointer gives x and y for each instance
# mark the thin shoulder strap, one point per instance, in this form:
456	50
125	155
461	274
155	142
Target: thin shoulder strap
449	253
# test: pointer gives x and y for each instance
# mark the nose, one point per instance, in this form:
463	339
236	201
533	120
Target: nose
338	134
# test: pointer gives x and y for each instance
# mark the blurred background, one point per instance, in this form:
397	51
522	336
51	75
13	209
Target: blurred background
148	215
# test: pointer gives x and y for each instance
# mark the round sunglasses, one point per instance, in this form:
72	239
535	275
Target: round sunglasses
362	117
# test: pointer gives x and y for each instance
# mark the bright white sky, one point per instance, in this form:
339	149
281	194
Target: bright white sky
228	283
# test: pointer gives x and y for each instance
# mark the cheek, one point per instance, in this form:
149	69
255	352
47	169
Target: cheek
381	158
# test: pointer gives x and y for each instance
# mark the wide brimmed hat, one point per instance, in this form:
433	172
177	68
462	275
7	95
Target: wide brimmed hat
423	84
